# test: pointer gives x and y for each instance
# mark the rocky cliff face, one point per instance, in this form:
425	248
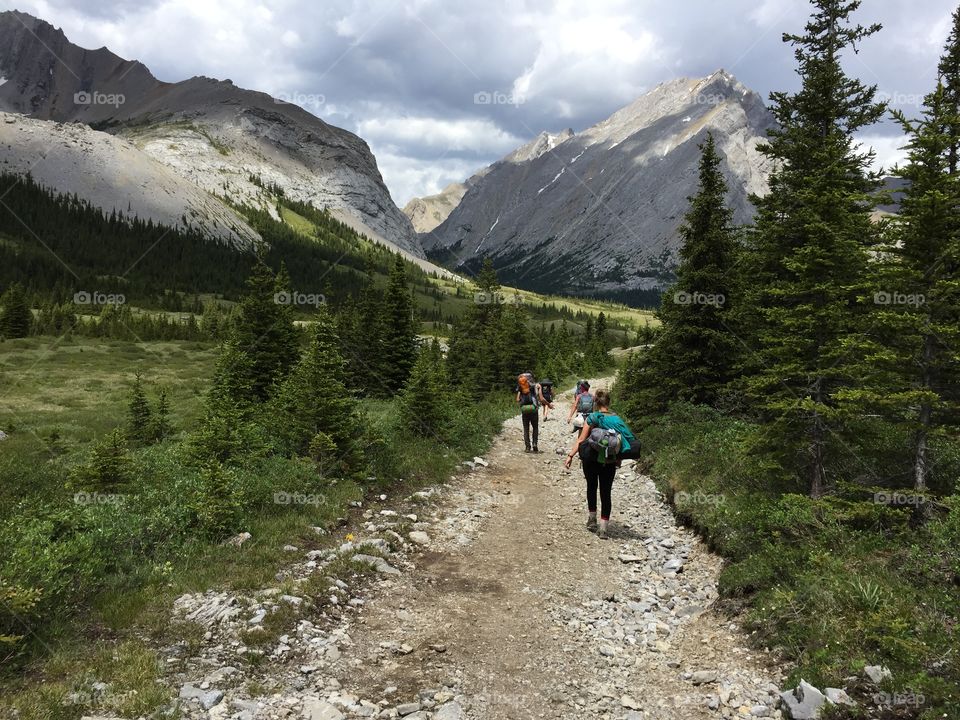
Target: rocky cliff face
428	212
225	139
597	212
113	174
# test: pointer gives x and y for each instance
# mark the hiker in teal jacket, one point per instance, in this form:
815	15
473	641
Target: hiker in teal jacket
599	476
607	420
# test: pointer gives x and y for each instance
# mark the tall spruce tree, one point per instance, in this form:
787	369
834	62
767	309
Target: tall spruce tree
515	347
472	360
160	427
949	71
809	252
15	313
426	407
264	329
139	415
922	283
314	399
399	345
694	358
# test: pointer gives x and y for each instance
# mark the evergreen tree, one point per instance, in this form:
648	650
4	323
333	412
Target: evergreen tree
264	330
15	313
471	360
362	339
110	468
949	71
809	252
488	284
139	416
314	399
232	384
220	435
160	427
286	334
425	406
515	347
217	500
601	329
922	290
694	358
399	330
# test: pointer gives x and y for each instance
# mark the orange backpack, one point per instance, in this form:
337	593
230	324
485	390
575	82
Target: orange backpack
523	382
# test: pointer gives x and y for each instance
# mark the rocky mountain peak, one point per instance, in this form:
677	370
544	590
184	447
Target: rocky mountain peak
542	143
598	211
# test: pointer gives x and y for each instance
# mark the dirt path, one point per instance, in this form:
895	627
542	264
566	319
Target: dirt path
512	609
526	609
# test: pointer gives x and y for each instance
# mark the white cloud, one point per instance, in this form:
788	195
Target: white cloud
576	44
888	149
476	135
408	178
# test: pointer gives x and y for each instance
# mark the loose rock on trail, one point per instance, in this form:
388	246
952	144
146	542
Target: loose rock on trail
490	600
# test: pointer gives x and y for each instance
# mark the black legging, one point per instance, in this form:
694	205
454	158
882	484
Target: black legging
531	420
602	476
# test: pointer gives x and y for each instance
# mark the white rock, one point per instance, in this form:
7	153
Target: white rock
838	696
238	540
419	537
877	673
317	709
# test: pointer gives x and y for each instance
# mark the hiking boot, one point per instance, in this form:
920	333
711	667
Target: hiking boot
592	523
602	530
536	449
526	450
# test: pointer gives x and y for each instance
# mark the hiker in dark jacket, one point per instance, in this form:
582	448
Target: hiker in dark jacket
546	397
528	397
600	475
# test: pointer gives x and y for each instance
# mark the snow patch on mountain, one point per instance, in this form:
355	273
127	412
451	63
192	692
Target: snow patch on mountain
555	178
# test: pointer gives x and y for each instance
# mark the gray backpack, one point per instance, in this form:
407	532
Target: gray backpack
606	443
585	403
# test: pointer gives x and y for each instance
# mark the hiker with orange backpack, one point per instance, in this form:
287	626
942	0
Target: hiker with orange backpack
529	399
602	443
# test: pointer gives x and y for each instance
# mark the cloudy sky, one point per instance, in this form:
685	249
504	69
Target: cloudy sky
440	88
